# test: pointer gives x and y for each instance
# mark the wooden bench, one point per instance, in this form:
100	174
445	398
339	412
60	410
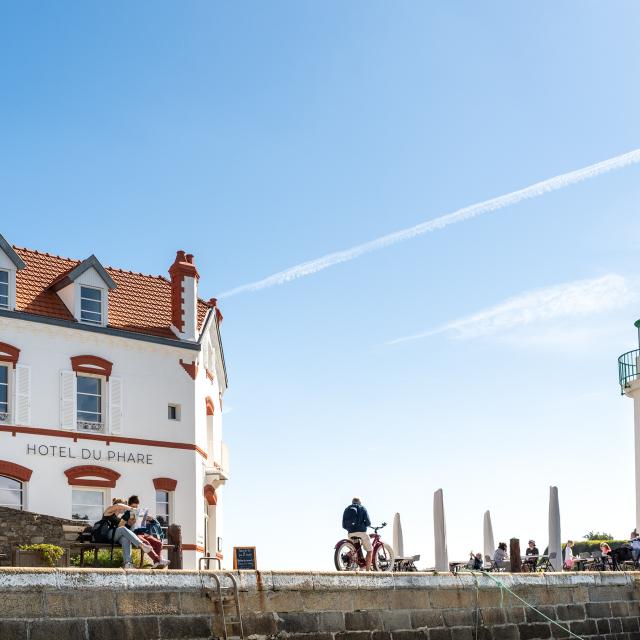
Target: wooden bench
71	533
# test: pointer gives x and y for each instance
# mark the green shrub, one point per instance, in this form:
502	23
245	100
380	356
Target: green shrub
105	561
50	553
597	535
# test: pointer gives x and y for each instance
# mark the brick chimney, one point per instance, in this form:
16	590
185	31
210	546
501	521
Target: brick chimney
184	296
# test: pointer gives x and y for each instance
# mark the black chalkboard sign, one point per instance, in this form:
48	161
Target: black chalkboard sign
244	558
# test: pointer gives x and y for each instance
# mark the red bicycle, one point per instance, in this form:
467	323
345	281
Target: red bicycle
349	554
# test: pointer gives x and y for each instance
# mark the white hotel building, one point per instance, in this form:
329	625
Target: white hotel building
111	384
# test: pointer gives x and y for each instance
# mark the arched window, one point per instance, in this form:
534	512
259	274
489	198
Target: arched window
11	493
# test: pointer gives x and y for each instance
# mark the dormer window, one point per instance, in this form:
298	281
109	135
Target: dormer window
10	263
90	305
4	289
84	291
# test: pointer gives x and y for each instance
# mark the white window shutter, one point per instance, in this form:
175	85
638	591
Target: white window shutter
22	412
115	405
68	400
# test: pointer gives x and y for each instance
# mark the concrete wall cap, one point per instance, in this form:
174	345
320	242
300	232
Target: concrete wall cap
299	581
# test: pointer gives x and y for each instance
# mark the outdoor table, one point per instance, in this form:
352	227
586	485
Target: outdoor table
579	563
530	560
456	566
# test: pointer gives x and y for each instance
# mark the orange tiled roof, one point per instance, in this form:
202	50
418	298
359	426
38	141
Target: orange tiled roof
139	303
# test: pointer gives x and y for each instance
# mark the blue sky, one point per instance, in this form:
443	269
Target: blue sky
261	135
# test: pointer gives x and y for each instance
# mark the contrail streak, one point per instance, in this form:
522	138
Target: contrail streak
487	206
577	298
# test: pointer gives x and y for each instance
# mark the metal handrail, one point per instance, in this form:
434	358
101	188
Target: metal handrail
628	368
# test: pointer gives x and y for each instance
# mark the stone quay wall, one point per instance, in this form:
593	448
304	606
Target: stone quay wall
23	527
83	604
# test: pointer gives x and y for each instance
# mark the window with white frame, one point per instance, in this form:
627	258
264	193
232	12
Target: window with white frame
4	393
163	508
87	504
4	289
89	403
11	493
90	305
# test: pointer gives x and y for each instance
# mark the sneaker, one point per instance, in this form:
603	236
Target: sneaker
146	547
161	564
128	565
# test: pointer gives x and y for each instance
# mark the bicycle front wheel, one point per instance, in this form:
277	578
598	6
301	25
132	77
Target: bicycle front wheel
346	557
383	558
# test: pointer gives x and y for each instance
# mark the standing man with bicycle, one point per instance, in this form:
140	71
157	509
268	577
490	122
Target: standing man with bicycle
355	520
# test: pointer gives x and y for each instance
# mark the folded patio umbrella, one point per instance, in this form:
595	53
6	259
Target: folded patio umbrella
440	532
487	533
398	542
555	540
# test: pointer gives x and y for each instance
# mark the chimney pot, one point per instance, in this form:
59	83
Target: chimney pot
180	256
190	258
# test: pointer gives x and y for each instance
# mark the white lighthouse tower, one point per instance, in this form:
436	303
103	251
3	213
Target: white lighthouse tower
629	376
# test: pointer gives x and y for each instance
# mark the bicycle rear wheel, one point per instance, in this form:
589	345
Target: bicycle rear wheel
346	557
383	558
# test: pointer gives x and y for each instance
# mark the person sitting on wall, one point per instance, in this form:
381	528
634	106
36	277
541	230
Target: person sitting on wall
501	554
532	555
111	528
144	534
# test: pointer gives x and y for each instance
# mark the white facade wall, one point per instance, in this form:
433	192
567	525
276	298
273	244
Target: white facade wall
152	378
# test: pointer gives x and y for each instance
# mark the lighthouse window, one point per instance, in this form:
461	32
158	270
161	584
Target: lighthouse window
4	394
10	493
87	505
4	289
89	392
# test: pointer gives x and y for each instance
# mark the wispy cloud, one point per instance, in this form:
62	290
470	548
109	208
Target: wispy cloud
466	213
580	297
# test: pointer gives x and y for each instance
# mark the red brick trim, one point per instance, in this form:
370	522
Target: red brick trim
193	547
91	364
76	476
210	406
165	484
9	353
14	470
209	374
191	369
219	556
210	495
182	267
75	436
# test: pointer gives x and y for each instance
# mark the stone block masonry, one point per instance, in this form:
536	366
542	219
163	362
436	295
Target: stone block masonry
85	604
22	527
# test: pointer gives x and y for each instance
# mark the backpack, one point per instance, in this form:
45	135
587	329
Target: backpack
86	535
104	529
350	517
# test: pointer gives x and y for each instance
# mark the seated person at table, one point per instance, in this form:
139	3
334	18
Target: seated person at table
568	555
501	554
532	550
605	549
142	532
635	547
475	561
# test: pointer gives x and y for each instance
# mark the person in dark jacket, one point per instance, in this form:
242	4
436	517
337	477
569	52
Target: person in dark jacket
355	520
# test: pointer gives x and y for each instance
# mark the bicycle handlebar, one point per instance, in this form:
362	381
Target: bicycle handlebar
382	526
